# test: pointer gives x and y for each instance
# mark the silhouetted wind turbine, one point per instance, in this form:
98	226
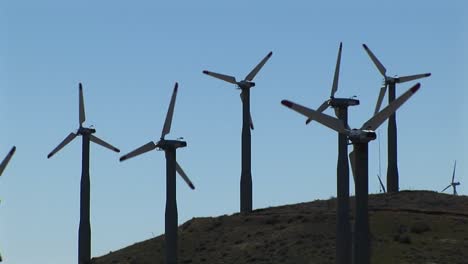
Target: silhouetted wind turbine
453	184
390	82
247	124
7	159
84	233
169	147
343	228
359	162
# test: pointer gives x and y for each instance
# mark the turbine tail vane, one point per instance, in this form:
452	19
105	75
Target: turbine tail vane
184	176
257	68
103	143
227	78
170	113
7	159
62	144
374	122
82	116
337	73
145	148
376	61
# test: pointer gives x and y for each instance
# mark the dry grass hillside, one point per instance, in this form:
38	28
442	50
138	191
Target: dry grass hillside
407	227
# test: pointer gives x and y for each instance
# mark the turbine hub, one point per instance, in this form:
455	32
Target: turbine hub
245	84
86	131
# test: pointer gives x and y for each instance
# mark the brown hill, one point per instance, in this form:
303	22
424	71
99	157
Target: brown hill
407	227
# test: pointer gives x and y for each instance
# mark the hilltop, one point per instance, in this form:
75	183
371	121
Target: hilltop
407	227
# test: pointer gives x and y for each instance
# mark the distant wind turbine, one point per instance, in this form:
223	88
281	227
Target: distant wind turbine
453	184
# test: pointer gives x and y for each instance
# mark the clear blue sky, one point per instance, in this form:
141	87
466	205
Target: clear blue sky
128	56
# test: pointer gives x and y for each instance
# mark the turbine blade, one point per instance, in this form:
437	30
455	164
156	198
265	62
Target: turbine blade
446	188
7	159
382	92
170	113
145	148
381	184
321	108
184	176
411	77
251	122
223	77
257	68
376	61
326	120
62	144
352	157
337	72
103	143
454	167
379	118
82	116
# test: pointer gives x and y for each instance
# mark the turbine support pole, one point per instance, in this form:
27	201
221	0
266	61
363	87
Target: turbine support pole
84	232
392	167
343	227
246	174
361	236
171	206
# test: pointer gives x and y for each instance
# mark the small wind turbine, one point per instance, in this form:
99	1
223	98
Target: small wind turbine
84	233
247	124
453	184
7	159
343	228
390	82
359	161
169	147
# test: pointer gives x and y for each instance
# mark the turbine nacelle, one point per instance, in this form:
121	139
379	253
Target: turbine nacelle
361	136
85	131
456	183
245	84
165	144
339	102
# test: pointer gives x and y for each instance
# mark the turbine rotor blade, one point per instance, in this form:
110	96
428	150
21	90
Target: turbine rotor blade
376	61
320	109
145	148
103	143
223	77
184	176
337	72
62	144
326	120
374	122
82	116
381	184
257	68
446	188
7	159
382	92
352	160
453	175
250	115
170	113
411	77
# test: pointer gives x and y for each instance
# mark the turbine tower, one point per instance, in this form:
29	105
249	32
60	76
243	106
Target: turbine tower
247	124
343	228
169	147
359	162
390	82
84	233
453	184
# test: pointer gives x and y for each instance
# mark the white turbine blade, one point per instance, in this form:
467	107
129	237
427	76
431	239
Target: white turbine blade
184	176
352	160
223	77
382	92
321	108
103	143
82	116
145	148
381	184
446	188
337	72
453	175
379	118
67	140
411	77
376	61
170	113
7	159
257	68
326	120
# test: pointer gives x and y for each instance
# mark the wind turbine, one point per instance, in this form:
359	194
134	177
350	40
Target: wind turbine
247	124
169	147
343	229
453	183
390	82
84	233
359	162
7	159
382	187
